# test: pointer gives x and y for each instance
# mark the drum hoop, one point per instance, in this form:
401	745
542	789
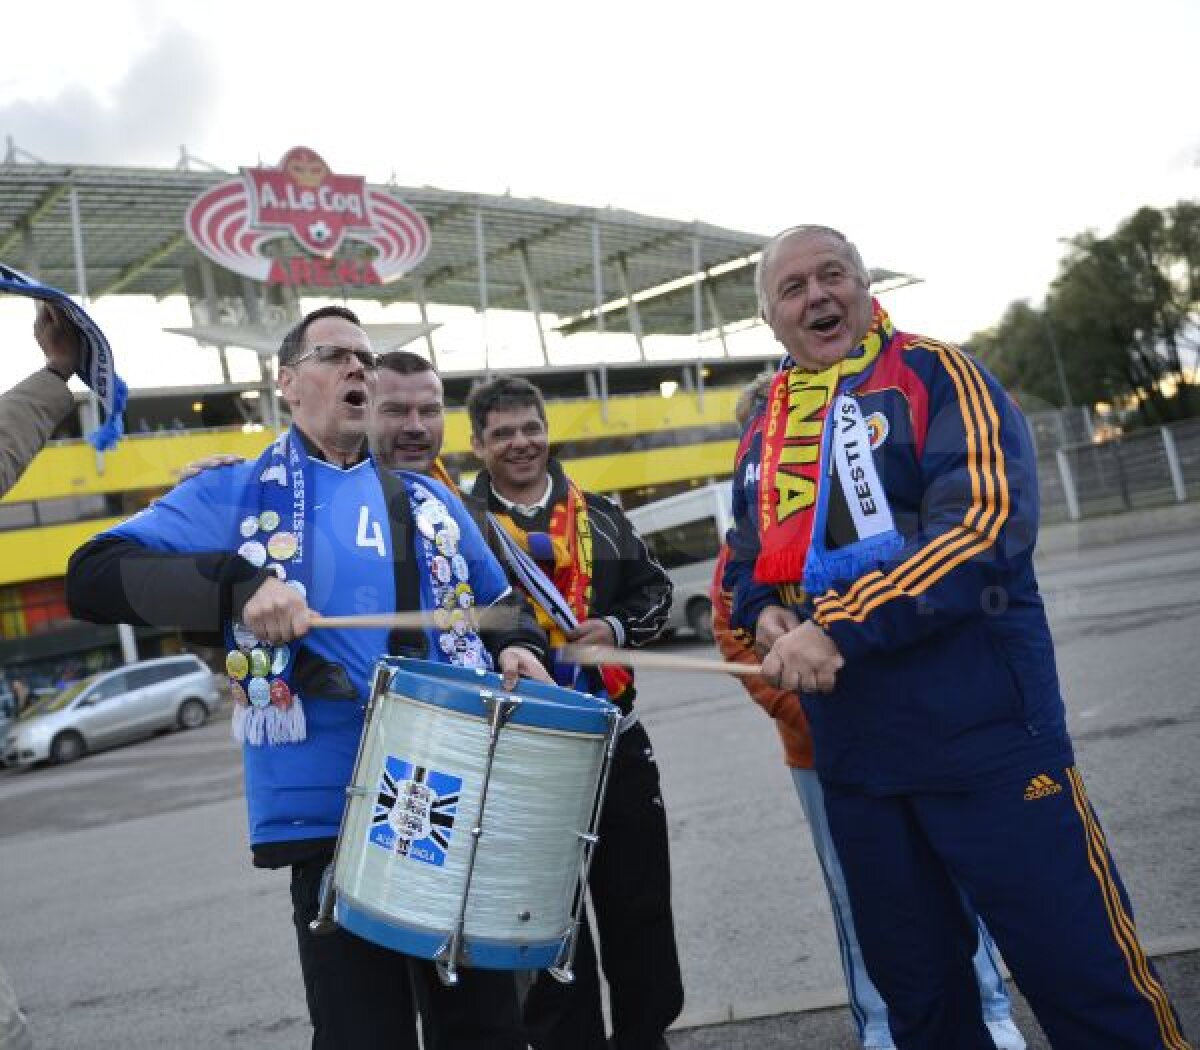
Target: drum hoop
523	727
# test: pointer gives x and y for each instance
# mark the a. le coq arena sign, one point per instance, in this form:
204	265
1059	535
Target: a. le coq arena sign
302	198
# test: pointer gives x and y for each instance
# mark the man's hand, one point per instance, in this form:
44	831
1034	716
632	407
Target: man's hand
805	660
57	338
276	613
518	662
773	623
593	632
217	459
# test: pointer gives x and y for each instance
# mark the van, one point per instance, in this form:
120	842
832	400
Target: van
684	533
111	707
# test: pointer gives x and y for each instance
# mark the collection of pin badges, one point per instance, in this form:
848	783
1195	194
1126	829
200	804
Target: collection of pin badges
254	669
454	601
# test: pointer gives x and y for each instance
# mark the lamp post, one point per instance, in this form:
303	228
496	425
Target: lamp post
1058	364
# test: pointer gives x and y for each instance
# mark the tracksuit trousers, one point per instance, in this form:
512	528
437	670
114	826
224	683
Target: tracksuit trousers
1032	859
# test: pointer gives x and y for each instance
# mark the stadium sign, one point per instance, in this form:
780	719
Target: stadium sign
303	199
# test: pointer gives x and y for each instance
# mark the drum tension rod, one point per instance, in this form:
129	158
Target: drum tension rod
499	709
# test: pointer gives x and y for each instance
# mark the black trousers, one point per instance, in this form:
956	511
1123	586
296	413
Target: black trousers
364	997
630	884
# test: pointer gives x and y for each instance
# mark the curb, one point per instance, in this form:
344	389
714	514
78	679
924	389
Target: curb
1117	528
828	999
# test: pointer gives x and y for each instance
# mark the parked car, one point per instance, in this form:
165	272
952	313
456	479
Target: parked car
684	533
112	707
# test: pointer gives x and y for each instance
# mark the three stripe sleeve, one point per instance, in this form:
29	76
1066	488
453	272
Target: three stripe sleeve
977	519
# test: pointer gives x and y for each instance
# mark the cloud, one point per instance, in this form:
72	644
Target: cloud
161	103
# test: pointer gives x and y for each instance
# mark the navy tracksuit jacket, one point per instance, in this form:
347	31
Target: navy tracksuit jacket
943	749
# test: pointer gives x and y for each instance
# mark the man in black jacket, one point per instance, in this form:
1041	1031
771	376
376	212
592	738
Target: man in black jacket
617	595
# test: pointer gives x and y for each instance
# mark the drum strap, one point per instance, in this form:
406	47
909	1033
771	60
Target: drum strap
627	722
411	641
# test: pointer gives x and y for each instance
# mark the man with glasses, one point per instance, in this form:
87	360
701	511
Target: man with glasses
593	563
253	551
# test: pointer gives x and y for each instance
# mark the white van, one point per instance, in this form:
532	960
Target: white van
684	533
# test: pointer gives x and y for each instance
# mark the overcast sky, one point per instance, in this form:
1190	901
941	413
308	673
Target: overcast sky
955	141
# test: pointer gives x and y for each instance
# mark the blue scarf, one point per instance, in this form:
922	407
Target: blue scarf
273	528
96	367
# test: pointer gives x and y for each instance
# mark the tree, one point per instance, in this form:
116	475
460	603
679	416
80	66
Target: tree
1123	313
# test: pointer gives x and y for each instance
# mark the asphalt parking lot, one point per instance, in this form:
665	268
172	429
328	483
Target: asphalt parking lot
130	916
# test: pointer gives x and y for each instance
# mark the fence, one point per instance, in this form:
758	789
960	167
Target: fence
1149	468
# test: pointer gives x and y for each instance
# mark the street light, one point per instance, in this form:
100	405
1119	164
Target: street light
1058	364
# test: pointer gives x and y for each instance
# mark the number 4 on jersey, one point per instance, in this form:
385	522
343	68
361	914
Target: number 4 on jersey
370	533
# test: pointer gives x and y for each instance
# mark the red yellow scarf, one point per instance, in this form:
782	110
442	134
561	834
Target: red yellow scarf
795	454
564	552
438	473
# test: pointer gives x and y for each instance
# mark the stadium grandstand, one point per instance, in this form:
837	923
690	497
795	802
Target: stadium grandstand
639	429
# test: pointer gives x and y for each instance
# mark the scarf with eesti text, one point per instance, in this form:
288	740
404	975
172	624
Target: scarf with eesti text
813	431
565	552
273	528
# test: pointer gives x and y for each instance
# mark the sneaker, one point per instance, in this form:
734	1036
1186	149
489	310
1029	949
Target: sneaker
1006	1035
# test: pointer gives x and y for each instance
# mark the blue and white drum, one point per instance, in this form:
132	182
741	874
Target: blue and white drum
406	875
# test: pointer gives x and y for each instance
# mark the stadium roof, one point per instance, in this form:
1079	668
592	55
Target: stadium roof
538	254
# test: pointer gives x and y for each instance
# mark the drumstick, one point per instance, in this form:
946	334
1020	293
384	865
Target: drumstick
595	655
484	618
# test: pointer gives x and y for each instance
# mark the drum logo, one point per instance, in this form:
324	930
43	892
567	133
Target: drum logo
414	812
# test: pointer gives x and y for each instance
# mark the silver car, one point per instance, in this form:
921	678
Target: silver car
112	707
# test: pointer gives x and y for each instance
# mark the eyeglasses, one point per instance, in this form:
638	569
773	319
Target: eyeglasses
339	355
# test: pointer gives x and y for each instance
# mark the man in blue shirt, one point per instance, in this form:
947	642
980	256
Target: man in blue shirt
253	551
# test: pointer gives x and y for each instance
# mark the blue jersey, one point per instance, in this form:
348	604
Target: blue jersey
295	790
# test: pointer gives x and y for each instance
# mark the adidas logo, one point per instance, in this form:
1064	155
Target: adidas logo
1041	786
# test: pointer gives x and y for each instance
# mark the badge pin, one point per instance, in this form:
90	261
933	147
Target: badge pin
442	570
425	522
243	636
461	571
259	692
281	695
283	545
281	658
254	552
248	527
236	664
260	663
268	521
238	693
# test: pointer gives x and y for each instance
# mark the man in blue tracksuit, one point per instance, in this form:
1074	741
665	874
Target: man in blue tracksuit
886	517
252	551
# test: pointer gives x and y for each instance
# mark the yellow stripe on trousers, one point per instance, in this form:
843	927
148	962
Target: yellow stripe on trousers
1121	922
